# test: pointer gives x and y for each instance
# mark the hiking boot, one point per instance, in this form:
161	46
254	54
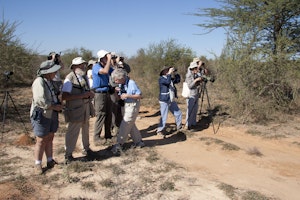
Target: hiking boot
38	169
108	142
97	141
51	164
69	159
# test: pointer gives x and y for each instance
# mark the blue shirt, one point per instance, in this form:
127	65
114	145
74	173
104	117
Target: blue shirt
131	89
100	81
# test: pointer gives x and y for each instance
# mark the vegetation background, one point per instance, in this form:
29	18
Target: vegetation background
257	73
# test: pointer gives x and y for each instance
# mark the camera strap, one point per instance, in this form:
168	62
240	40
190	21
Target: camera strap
53	95
86	82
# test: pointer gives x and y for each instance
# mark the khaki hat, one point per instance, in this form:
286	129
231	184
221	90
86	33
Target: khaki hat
77	61
193	65
48	67
196	59
91	62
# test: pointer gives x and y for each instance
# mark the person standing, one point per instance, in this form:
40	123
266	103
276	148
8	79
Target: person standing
103	104
57	82
167	96
89	75
123	64
116	102
131	96
77	96
193	80
44	114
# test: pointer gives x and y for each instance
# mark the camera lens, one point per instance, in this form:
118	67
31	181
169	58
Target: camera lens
8	73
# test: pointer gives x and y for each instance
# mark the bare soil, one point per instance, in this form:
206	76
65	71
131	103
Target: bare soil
220	159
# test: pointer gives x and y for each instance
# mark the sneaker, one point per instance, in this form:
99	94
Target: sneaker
140	144
115	130
160	134
186	127
51	164
116	149
38	169
179	128
69	159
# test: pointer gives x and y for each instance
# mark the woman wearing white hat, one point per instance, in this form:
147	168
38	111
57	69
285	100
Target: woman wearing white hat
44	114
193	81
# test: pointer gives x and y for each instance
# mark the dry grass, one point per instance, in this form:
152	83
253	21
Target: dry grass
238	193
254	151
135	174
224	145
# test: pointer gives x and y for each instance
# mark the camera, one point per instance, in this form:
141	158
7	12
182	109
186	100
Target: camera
208	78
56	61
8	73
122	90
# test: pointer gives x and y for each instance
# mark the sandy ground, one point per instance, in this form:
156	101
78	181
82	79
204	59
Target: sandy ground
268	165
276	173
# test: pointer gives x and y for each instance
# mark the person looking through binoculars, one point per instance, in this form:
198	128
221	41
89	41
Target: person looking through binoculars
57	82
167	95
44	114
193	79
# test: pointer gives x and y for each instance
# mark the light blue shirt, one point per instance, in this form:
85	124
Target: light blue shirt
131	88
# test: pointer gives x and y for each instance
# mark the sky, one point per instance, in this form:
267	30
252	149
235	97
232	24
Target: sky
121	26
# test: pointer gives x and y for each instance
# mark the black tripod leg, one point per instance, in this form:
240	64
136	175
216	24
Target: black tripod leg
17	112
4	107
209	107
201	96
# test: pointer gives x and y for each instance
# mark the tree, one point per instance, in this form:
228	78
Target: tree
69	54
260	60
14	57
271	26
149	62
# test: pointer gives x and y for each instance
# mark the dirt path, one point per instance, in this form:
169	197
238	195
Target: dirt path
232	157
275	173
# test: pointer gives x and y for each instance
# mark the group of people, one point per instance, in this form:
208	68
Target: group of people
168	94
100	89
104	90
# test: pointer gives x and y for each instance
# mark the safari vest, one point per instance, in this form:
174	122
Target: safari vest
77	110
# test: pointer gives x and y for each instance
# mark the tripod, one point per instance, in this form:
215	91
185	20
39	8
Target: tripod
4	105
203	91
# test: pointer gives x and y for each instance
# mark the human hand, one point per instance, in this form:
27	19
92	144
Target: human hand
171	70
198	79
108	56
88	95
57	107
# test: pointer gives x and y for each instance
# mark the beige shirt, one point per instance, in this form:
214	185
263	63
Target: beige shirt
43	96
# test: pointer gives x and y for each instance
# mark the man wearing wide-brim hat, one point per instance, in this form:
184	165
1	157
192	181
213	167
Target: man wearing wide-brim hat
77	95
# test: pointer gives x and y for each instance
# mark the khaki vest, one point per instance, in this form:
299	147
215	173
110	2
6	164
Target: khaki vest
77	110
